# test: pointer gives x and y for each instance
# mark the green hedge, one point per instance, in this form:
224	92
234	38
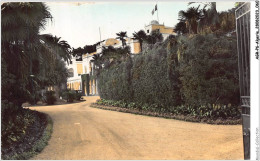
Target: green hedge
195	72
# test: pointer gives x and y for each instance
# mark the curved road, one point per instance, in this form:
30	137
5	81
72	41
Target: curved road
85	133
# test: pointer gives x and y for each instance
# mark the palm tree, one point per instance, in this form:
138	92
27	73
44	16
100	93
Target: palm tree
190	17
209	17
22	21
31	59
180	28
97	61
20	25
121	36
140	36
54	50
60	47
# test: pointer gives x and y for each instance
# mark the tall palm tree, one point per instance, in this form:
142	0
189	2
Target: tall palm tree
22	21
140	36
209	17
121	36
60	47
190	17
97	60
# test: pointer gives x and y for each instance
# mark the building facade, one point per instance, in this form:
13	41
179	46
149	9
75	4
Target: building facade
81	68
164	30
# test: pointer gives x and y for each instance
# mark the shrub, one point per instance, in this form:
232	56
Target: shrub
33	99
14	122
77	95
50	97
71	95
209	111
68	95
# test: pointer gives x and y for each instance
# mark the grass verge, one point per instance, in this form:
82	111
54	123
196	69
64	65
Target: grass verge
169	115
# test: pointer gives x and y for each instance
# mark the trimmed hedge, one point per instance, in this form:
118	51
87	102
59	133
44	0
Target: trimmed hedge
191	73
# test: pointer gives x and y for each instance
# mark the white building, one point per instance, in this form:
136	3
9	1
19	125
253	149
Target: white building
80	67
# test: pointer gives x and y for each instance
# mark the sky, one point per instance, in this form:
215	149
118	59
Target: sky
79	23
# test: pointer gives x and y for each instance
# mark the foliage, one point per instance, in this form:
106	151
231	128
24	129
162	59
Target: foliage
71	95
121	36
14	122
227	20
50	97
154	37
140	36
206	20
109	56
212	64
201	112
134	79
68	95
31	61
180	28
26	147
209	17
187	74
191	16
86	49
78	95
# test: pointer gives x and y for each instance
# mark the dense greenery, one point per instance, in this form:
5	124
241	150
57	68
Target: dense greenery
187	75
71	95
14	126
201	112
205	20
29	63
50	97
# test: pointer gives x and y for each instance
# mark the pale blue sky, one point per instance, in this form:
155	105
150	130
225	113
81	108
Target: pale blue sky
79	24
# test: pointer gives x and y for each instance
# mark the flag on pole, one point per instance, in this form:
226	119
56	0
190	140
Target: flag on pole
155	9
153	12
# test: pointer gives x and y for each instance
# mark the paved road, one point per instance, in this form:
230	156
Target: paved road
82	132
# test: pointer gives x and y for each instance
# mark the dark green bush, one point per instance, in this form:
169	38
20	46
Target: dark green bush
210	111
209	73
71	95
77	95
14	123
50	97
68	95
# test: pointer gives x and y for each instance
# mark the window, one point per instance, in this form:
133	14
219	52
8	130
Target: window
147	31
